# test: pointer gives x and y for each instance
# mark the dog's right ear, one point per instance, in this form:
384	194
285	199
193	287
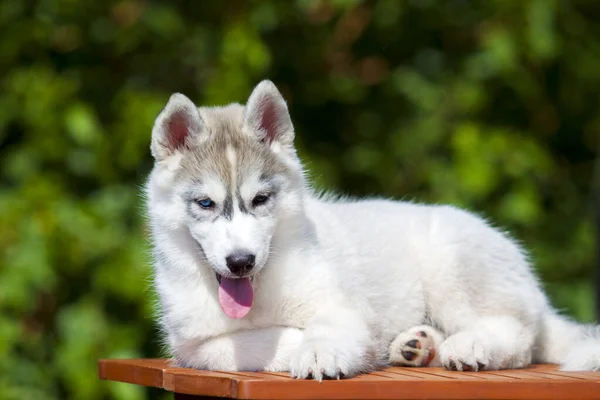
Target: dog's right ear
176	128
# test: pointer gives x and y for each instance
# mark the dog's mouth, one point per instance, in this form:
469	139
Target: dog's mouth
235	295
219	277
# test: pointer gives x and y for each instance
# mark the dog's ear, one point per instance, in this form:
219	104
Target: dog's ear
267	116
176	128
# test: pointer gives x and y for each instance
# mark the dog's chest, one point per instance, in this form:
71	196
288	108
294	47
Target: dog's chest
281	309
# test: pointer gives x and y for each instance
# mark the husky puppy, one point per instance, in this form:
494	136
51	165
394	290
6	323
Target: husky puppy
254	272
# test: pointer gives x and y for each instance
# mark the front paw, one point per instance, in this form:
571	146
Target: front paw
466	351
325	359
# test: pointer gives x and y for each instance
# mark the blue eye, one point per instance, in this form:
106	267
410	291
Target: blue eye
206	203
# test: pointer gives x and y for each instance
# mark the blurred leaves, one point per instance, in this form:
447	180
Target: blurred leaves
488	105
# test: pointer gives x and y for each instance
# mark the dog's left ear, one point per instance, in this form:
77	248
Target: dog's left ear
267	116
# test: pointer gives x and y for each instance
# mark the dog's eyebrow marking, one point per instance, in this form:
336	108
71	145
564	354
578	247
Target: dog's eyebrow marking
241	204
227	212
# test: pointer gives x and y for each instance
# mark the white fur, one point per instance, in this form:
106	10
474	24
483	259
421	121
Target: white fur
343	278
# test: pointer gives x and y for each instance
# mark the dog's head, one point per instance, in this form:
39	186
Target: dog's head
226	175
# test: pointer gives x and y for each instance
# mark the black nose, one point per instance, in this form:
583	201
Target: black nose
240	262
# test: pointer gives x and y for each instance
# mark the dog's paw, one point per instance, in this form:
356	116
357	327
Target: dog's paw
323	359
416	347
466	351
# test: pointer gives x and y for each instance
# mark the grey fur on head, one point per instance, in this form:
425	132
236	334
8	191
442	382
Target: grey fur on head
182	126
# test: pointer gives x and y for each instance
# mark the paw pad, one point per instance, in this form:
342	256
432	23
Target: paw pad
408	355
413	352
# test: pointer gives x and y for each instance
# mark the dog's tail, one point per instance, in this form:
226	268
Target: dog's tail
576	347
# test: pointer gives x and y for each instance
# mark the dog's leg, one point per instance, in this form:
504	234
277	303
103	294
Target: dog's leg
489	343
481	292
336	344
268	349
417	347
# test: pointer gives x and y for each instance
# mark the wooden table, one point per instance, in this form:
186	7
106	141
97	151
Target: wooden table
536	382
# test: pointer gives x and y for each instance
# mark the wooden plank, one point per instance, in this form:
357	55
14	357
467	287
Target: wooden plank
415	372
455	375
486	376
396	376
535	383
280	374
553	370
218	385
146	372
518	374
452	389
207	383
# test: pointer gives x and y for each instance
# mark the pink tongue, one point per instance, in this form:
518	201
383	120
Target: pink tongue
235	296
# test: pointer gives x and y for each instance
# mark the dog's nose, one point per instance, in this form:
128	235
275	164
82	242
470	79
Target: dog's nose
240	262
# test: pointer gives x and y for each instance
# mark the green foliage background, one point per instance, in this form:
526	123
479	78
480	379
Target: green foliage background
491	105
